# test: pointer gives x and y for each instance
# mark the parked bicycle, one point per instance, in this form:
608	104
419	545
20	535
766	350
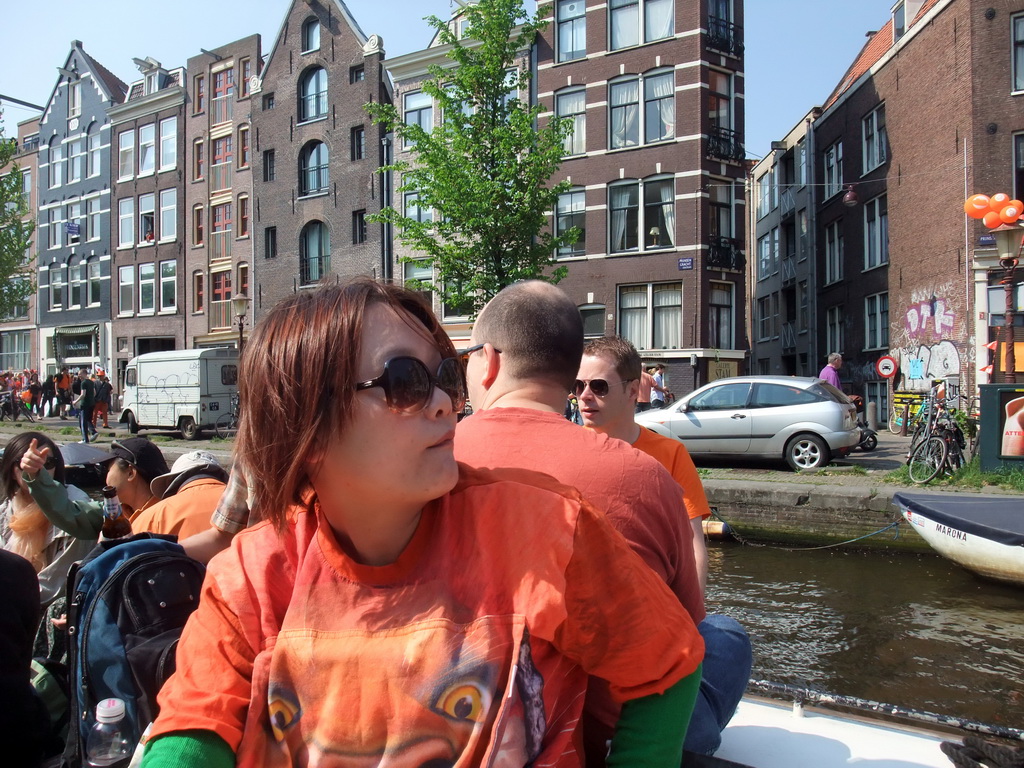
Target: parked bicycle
940	447
14	408
227	423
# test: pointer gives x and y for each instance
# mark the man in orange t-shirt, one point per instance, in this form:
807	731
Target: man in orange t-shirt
607	389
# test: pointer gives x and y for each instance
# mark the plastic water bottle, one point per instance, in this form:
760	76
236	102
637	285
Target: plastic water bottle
108	742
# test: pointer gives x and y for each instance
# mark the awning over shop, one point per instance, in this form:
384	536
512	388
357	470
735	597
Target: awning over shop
76	330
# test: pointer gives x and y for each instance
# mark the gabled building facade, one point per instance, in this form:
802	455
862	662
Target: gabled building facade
19	338
74	244
317	154
217	178
148	200
656	161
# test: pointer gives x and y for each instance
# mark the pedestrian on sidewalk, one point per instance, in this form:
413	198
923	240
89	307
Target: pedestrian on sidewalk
62	385
103	392
84	402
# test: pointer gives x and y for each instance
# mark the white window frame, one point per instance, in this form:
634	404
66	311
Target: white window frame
834	252
640	100
56	286
73	215
649	302
168	214
876	321
75	99
147	149
571	23
832	160
126	290
168	144
56	227
126	222
875	139
764	256
413	210
125	155
95	152
419	106
76	159
147	218
93	281
168	274
575	142
1017	62
56	161
570	207
636	26
147	278
75	284
876	232
94	214
645	234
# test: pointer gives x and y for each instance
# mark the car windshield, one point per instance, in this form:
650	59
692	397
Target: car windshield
830	392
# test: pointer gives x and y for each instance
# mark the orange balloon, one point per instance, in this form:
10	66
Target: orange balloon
1017	204
980	202
998	201
974	212
1009	214
992	220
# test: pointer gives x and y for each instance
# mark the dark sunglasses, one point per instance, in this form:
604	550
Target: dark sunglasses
598	386
409	386
464	354
50	463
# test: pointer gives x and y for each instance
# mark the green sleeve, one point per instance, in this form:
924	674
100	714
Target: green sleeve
81	519
651	729
185	749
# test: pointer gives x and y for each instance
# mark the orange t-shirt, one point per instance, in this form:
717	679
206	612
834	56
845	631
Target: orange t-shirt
674	457
474	645
185	513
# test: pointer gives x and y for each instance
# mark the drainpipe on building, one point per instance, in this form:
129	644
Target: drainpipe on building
387	252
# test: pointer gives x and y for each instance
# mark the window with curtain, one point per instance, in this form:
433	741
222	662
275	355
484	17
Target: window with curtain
630	125
659	19
572	29
656	220
625	216
314	252
313	94
659	107
633	318
720	100
624	23
313	170
650	315
668	315
572	105
659	224
625	118
721	315
571	212
631	21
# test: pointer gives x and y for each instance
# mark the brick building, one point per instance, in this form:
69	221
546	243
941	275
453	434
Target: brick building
19	339
218	189
317	155
74	215
148	197
656	163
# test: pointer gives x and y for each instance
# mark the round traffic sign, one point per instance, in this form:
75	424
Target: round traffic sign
886	366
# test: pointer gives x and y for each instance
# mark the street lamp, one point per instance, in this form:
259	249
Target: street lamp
240	303
1009	244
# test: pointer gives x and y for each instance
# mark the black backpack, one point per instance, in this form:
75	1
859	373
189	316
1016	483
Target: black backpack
128	601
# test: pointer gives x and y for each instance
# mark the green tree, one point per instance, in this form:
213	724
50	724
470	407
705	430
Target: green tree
16	284
485	170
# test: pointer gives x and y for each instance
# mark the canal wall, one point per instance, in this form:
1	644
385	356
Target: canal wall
802	514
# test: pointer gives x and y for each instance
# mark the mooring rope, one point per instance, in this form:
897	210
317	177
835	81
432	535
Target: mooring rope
746	542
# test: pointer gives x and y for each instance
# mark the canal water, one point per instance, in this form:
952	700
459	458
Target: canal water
911	630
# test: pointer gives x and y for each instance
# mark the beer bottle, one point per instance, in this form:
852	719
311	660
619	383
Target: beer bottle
115	524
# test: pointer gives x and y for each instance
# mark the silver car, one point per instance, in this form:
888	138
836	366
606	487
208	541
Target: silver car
803	420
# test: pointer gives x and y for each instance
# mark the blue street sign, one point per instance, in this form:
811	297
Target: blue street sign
686	263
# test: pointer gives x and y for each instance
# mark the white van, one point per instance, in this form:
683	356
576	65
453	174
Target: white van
184	389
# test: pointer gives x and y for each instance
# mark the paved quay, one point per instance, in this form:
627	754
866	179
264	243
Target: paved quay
762	501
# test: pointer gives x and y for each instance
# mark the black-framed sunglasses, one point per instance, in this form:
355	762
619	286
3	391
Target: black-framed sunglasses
463	354
409	386
50	463
598	386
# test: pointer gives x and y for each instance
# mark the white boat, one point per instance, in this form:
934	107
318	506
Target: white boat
801	733
984	534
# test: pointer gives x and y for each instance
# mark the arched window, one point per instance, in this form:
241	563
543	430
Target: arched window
311	36
314	252
313	175
313	94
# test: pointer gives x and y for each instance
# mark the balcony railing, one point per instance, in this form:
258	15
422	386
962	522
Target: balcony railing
313	268
30	144
220	245
221	109
725	36
788	269
726	144
788	336
787	203
220	315
725	253
220	177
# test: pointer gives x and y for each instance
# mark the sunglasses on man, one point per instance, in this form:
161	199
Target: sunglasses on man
409	386
598	386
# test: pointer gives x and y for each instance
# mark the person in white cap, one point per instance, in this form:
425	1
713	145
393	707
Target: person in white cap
188	495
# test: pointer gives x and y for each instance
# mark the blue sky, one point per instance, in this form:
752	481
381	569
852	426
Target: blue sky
796	50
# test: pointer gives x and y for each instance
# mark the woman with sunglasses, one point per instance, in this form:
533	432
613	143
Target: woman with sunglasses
25	528
393	606
133	463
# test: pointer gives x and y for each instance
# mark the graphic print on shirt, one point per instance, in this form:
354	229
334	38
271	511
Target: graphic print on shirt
429	693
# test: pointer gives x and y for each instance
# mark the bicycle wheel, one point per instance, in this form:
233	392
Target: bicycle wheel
927	460
954	453
895	423
227	425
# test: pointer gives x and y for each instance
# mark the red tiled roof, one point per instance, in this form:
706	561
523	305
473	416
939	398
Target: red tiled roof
873	50
113	84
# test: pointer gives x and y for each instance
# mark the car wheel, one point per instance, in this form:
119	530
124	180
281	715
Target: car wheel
806	452
188	428
133	424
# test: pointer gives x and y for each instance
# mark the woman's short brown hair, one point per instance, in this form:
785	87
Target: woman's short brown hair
297	382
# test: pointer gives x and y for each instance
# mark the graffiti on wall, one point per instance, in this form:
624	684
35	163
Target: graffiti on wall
920	365
927	314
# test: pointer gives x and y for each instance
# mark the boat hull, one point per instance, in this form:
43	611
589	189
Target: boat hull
963	540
